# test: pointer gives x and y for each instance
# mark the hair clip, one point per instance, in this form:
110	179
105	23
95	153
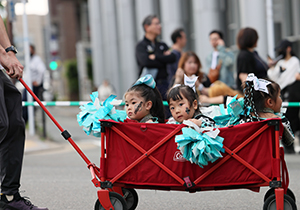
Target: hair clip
147	80
258	84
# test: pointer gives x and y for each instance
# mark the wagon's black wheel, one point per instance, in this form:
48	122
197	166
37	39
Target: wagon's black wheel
289	203
271	191
116	200
131	198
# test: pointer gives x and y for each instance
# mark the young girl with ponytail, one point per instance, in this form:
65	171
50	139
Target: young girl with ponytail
262	101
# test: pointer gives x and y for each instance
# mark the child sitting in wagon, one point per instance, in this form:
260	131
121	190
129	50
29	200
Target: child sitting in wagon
143	101
199	142
262	101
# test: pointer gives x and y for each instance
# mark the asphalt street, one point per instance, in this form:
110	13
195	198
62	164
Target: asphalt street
55	175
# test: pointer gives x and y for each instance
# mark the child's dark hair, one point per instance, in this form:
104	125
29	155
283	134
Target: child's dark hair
177	93
149	94
256	99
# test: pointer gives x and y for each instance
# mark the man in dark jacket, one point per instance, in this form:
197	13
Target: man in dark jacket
154	54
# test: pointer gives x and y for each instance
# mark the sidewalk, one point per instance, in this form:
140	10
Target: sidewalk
36	144
67	118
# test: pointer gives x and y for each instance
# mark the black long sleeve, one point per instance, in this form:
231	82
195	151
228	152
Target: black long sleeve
145	48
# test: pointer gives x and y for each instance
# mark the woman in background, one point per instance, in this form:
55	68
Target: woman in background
248	60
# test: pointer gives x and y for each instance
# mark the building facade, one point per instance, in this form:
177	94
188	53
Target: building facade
116	27
113	27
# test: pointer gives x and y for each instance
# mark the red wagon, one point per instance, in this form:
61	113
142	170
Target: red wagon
145	156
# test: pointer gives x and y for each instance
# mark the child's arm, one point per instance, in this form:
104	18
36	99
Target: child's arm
212	100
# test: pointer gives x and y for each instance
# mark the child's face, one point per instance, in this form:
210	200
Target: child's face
274	105
181	110
136	107
190	66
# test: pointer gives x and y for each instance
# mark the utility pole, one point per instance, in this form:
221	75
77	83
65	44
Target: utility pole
27	69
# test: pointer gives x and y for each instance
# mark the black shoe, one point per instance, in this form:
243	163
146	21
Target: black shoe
18	203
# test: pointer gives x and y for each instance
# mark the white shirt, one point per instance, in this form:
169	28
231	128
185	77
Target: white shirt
214	59
37	69
286	77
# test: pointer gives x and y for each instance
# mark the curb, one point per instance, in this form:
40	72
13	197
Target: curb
33	143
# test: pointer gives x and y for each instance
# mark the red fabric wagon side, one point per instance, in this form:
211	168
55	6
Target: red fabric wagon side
145	155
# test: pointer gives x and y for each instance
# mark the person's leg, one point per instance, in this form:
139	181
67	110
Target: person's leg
13	136
25	108
292	113
11	147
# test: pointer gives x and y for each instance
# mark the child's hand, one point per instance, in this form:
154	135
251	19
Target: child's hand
179	76
197	122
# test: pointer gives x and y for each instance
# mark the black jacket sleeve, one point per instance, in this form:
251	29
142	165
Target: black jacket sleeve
165	58
142	56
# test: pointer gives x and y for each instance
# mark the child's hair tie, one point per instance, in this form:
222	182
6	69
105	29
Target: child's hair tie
147	80
258	84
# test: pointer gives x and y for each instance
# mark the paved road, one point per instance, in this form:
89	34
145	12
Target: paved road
59	179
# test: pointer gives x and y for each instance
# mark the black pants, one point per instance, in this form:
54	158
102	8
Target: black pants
291	94
12	136
38	91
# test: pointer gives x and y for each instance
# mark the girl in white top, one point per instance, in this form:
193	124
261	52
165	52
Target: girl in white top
285	71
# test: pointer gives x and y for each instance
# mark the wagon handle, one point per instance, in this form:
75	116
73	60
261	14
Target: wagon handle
64	133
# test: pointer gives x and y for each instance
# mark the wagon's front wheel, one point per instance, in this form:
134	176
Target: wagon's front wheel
131	198
116	200
271	191
289	203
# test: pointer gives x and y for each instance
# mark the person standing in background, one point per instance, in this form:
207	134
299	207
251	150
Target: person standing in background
152	53
248	60
105	90
285	74
37	69
179	41
220	61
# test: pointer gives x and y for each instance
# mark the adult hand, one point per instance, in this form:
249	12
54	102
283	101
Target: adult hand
221	42
13	67
271	62
152	57
35	84
168	52
297	76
